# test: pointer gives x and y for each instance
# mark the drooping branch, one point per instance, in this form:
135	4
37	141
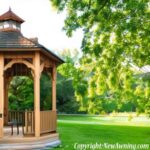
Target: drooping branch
89	6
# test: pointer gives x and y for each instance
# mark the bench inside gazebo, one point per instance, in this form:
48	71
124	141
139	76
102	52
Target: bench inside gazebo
20	56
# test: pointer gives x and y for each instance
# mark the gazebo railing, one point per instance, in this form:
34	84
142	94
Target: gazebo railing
26	119
16	116
48	121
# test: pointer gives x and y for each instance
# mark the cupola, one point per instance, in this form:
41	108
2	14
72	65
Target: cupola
9	21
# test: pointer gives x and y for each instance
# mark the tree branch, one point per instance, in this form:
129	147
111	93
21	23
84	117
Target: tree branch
89	6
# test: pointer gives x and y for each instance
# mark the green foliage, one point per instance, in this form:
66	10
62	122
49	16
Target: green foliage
21	95
45	92
116	35
65	95
66	102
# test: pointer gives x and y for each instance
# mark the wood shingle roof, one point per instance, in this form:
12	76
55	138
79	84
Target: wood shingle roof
15	40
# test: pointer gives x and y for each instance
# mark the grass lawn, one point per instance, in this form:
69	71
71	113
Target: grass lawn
87	130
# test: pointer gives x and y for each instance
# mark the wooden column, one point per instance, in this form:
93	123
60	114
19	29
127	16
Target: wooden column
1	94
6	86
54	88
37	93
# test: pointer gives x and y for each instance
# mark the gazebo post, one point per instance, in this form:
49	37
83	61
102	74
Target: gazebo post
54	88
1	94
6	85
37	93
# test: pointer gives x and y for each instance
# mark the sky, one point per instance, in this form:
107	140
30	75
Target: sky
42	21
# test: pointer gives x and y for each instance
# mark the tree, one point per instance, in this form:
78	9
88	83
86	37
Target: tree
45	92
65	92
116	35
21	94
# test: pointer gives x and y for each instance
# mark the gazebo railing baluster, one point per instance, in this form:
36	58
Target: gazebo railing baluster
26	119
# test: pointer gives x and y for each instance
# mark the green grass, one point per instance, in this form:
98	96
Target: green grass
86	130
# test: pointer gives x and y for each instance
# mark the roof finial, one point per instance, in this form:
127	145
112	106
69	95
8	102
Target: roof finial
9	8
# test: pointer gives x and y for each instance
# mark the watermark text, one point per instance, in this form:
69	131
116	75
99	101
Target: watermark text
108	146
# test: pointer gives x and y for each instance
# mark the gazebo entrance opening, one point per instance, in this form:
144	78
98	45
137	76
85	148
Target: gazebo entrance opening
17	111
21	94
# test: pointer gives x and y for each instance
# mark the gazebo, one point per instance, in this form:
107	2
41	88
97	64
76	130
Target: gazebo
23	56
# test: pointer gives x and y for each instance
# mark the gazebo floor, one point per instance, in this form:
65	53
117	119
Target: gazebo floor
20	142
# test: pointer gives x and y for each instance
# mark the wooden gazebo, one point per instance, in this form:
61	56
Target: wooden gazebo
31	59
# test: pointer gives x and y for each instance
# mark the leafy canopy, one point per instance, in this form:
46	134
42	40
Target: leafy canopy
116	35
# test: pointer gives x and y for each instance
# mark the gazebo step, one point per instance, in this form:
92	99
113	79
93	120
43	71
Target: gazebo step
27	143
43	145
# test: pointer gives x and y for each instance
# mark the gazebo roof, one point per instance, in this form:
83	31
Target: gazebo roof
9	15
12	39
15	40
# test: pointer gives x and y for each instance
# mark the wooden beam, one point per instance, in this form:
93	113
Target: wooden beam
22	49
1	94
12	55
42	68
14	61
47	62
54	74
37	93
